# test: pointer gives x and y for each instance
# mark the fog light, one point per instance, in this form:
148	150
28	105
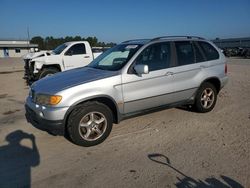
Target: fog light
41	114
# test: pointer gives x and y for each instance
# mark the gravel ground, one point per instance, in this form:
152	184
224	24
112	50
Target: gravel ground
169	148
11	64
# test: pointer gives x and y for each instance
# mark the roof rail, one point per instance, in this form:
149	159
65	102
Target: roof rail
188	37
136	40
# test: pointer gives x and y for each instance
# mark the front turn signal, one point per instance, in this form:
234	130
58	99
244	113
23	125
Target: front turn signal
55	99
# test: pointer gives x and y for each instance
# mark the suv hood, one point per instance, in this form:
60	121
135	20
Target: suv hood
63	80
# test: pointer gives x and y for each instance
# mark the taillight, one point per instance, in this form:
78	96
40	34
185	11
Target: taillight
225	68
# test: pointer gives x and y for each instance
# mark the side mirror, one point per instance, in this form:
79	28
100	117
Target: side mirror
141	69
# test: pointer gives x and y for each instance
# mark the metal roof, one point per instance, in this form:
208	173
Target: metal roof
13	39
18	45
232	39
233	42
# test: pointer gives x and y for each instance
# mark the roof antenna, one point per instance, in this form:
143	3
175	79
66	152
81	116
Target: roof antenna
28	39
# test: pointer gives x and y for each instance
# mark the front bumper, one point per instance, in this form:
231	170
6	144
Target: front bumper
54	127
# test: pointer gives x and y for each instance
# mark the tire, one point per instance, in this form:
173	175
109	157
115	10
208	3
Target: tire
206	98
47	72
90	124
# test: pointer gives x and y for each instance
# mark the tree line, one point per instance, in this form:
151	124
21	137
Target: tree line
49	43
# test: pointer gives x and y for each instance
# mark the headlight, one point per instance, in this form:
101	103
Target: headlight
44	99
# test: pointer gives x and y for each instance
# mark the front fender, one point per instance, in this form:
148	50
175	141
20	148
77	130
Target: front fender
72	107
47	61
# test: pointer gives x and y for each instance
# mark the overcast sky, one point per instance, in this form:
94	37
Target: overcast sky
116	20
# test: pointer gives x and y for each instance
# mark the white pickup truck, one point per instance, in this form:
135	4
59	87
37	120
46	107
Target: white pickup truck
67	56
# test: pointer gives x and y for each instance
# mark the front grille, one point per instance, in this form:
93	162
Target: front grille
26	67
30	111
31	115
29	67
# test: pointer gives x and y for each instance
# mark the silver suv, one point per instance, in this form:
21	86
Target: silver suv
132	78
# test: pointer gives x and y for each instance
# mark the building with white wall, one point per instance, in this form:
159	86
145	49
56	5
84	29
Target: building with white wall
15	48
233	42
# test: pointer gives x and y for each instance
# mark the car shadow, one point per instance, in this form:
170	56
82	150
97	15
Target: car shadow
189	182
187	108
16	160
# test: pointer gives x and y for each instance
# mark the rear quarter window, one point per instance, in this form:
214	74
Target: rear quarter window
199	57
209	51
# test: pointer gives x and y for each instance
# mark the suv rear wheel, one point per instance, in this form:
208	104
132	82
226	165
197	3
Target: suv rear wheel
90	124
205	98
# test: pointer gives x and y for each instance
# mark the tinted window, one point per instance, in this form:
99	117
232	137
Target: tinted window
198	55
17	50
156	56
76	49
209	51
185	53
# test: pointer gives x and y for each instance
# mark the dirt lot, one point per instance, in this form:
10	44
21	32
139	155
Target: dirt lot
170	148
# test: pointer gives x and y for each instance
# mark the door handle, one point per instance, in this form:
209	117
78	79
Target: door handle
169	73
86	56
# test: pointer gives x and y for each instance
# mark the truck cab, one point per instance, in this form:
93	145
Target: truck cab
67	56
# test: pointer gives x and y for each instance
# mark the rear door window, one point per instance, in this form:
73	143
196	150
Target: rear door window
209	51
185	53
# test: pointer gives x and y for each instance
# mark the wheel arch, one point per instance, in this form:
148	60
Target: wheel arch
215	81
56	66
105	99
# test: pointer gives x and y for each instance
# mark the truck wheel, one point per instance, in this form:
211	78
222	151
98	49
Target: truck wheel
47	72
90	124
205	98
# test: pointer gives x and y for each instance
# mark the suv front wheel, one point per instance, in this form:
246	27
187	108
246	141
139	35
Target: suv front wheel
205	98
90	123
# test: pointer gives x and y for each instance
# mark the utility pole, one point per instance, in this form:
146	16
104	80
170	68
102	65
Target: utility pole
28	42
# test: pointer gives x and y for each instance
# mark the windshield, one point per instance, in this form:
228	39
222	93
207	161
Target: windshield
115	58
59	49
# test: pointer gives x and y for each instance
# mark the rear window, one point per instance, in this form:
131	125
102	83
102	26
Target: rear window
209	51
185	53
